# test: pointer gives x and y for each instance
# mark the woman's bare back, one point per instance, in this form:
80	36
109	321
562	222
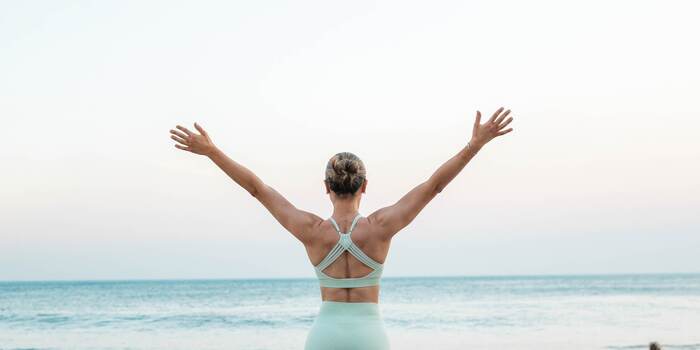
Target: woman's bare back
368	237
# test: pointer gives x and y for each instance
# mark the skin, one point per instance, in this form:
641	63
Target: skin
372	234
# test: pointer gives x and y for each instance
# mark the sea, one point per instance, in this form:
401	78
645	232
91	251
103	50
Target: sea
623	312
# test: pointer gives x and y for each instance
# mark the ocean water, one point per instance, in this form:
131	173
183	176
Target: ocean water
539	312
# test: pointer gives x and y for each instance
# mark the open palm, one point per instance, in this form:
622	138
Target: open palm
191	141
494	127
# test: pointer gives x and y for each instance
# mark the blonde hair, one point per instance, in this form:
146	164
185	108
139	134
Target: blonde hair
345	173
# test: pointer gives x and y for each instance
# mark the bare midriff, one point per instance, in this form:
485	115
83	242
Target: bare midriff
351	295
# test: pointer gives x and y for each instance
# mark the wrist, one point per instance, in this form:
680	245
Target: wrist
475	144
213	152
469	150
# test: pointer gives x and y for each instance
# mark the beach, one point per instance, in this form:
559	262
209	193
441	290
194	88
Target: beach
503	312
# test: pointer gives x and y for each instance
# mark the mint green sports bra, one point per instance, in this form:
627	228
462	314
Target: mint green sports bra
346	243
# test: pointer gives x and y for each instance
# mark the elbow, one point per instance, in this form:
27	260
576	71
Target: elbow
434	185
257	189
254	191
437	188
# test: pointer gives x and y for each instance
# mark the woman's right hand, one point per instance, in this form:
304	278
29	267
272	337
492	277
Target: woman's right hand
494	127
191	141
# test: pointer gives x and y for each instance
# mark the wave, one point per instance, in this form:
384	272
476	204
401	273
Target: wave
143	322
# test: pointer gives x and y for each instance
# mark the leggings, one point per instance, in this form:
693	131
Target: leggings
348	326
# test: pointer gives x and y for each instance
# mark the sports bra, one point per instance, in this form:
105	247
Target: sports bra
345	243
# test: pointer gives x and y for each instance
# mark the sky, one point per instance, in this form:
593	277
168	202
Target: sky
600	175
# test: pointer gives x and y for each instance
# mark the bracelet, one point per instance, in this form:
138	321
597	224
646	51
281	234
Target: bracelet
469	147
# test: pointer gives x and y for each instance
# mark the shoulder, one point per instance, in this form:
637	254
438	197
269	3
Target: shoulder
311	229
378	223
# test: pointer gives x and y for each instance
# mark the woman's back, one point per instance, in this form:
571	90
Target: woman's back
369	238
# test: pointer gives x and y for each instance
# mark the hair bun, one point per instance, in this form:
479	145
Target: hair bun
345	173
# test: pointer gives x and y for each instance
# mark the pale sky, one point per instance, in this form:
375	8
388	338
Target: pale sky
600	175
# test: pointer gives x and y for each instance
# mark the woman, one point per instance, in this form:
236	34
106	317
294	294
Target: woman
347	250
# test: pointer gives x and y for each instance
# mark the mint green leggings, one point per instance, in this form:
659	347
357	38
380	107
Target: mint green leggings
347	326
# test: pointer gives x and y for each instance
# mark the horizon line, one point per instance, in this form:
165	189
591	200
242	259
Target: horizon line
384	277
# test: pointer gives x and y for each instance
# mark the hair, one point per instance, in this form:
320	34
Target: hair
345	174
654	346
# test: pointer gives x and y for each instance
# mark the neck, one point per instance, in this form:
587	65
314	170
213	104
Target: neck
344	208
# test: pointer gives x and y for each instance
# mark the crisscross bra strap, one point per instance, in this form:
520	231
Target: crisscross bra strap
346	243
343	243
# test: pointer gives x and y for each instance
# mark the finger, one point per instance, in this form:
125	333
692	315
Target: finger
175	132
505	124
183	147
504	132
477	122
180	140
200	129
503	116
189	133
495	114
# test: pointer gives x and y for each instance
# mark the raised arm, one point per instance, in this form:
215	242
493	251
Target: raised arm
297	222
397	216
